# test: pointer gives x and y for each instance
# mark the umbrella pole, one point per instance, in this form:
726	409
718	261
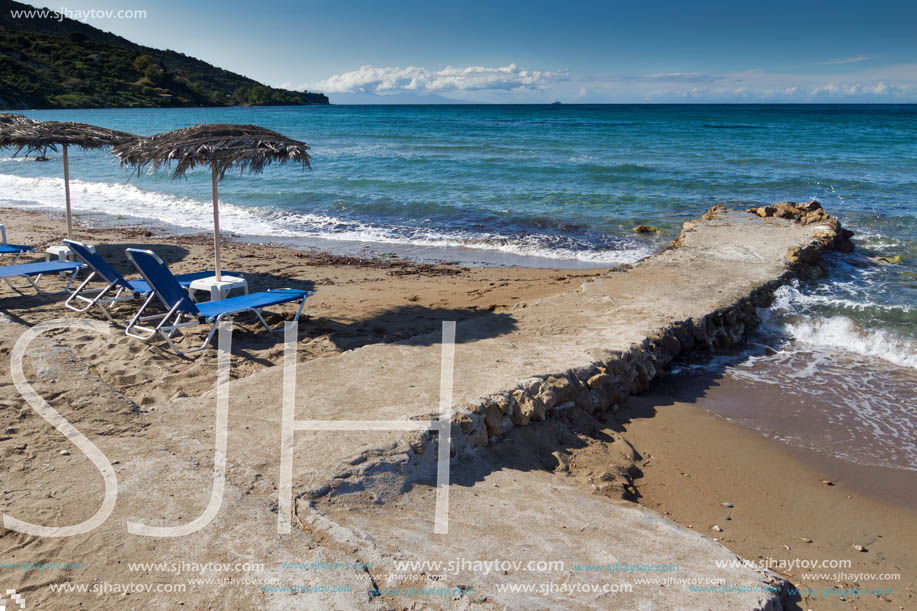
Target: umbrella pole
67	192
216	222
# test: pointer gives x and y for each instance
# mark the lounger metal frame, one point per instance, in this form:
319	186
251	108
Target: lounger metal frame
175	313
34	279
97	299
125	292
19	253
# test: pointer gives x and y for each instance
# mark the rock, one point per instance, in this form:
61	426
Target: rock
597	381
561	387
809	206
859	548
646	229
503	403
684	335
892	260
65	452
466	422
842	244
595	399
544	400
712	213
717	528
492	418
563	462
787	211
728	518
522	412
816	216
645	373
805	539
765	211
727	504
827	482
698	329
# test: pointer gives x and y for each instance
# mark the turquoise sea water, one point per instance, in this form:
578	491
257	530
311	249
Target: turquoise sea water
563	186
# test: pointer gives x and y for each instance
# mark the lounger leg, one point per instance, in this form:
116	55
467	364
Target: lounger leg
105	311
34	284
210	333
257	312
91	301
168	336
16	258
302	304
138	317
206	343
115	298
70	281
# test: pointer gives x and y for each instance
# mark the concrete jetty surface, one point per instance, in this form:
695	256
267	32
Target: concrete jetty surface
368	497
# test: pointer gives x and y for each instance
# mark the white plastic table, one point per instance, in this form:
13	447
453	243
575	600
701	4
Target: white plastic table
62	252
218	290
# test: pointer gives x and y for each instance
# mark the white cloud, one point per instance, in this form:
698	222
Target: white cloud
511	83
676	77
848	60
882	88
891	83
417	79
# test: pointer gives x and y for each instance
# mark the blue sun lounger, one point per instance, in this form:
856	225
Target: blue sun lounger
179	305
34	271
124	290
11	249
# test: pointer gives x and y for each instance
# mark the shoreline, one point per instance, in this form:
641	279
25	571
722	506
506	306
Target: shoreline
351	279
436	249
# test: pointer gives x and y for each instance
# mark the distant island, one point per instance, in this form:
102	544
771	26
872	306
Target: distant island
51	63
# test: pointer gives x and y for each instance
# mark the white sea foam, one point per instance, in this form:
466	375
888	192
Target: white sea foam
788	315
840	332
845	379
129	201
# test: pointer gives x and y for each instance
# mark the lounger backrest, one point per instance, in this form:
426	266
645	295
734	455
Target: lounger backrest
96	262
157	274
2	234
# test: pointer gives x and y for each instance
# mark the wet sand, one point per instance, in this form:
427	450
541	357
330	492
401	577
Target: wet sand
693	461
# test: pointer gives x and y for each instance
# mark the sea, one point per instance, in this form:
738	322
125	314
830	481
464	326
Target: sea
563	186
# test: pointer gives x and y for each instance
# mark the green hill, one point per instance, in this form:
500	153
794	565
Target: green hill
52	63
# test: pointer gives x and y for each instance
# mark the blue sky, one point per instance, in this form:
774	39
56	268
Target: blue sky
572	51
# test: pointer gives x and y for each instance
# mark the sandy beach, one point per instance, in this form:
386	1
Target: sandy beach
357	301
480	307
769	501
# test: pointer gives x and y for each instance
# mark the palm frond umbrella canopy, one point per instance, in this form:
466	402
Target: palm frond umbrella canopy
221	146
8	120
39	136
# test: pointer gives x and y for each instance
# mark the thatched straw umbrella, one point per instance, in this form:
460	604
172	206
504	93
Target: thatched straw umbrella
38	137
8	120
219	145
